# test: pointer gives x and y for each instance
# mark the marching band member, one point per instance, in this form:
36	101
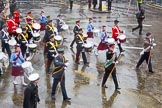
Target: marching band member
11	26
115	33
23	40
49	30
4	40
17	59
29	29
90	28
16	16
75	30
29	17
31	95
60	23
80	39
110	67
43	21
146	53
59	74
103	44
51	51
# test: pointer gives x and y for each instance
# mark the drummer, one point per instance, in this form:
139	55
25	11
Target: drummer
75	30
103	44
29	17
4	40
80	40
23	40
49	30
12	25
116	31
29	29
60	23
43	21
17	59
51	52
90	28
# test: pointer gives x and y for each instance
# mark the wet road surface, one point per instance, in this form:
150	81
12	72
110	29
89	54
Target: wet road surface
139	89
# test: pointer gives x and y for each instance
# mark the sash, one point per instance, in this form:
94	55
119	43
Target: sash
59	68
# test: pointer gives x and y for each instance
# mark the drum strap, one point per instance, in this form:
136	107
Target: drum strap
5	34
52	44
30	28
59	68
117	29
18	56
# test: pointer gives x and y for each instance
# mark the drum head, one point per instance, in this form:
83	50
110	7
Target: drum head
96	30
2	55
18	30
87	45
36	26
110	40
36	34
65	27
12	42
122	37
26	64
58	37
32	45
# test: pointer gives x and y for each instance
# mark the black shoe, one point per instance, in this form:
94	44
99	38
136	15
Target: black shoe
151	71
71	47
140	33
53	97
104	86
87	63
132	30
117	88
67	99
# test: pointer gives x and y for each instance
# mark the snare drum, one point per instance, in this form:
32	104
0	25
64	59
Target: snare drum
122	38
27	67
65	27
58	39
3	57
32	47
96	32
12	42
36	36
18	30
88	47
36	26
110	40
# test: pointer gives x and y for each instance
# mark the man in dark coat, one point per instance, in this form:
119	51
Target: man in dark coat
140	17
31	97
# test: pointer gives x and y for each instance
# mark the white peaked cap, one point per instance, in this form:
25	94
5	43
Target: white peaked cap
34	77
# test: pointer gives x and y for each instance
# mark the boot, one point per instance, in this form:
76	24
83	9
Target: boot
22	81
14	81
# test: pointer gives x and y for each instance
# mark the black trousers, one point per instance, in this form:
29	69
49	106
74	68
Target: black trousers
23	48
7	47
109	5
107	73
48	63
89	5
146	56
79	50
139	27
71	4
72	43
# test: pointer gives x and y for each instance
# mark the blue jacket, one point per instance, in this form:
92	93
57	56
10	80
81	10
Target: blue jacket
59	67
90	27
43	19
19	61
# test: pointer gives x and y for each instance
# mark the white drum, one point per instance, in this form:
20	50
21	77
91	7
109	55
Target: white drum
32	48
122	38
58	39
96	32
18	30
36	26
27	66
65	27
12	42
36	36
3	57
110	40
88	47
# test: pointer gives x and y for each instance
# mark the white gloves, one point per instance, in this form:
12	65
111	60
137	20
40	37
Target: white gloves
154	44
67	64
